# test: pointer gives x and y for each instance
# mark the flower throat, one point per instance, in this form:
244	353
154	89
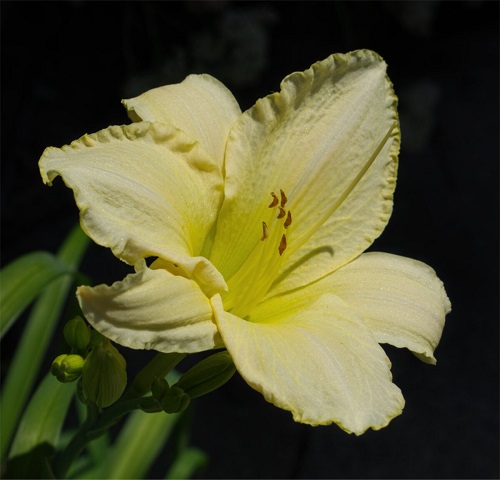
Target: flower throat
253	279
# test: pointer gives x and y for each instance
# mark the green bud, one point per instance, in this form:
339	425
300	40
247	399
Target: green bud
77	334
67	368
207	375
159	388
104	374
150	405
175	400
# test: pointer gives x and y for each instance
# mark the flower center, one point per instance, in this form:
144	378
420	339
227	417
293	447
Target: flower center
252	281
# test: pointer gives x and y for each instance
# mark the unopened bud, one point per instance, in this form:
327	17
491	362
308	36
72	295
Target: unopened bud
67	368
175	400
104	374
77	334
150	405
207	375
159	388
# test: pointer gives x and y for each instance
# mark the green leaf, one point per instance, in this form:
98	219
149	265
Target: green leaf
189	462
42	422
33	464
35	339
22	280
140	441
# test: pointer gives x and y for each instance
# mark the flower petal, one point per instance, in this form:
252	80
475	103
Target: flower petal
329	139
200	106
143	190
314	357
151	309
401	300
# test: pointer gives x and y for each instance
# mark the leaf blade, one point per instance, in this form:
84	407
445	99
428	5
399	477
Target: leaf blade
22	280
44	416
189	461
37	333
140	441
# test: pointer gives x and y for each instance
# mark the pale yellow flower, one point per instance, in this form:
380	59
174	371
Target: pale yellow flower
254	225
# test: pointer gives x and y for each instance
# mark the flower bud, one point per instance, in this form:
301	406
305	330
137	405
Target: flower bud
77	334
207	375
150	405
175	400
67	368
159	388
104	374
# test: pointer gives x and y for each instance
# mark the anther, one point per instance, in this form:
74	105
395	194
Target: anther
265	231
275	200
282	213
283	199
282	246
288	220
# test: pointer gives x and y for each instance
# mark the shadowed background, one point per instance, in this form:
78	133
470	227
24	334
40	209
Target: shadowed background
65	67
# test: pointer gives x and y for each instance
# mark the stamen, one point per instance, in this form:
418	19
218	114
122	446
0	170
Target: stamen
265	231
275	200
282	246
248	284
288	220
283	199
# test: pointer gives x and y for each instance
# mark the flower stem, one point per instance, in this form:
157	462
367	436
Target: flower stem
97	423
94	426
159	366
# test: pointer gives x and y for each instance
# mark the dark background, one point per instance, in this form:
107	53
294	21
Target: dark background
65	67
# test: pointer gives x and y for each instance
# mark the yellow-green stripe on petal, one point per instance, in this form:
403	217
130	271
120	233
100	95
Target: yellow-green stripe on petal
312	140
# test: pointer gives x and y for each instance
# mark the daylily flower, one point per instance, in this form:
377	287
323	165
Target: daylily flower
247	231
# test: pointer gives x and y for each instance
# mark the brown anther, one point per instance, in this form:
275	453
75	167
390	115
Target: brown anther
275	200
282	213
265	231
283	199
282	246
288	220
